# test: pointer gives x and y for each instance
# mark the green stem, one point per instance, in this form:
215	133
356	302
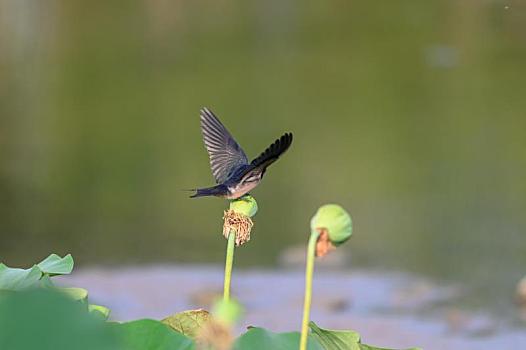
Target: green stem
311	255
228	263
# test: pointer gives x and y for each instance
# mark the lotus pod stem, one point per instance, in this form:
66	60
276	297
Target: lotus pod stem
330	227
236	229
311	255
228	264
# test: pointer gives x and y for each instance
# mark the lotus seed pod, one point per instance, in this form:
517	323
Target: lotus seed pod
227	311
335	220
237	218
245	205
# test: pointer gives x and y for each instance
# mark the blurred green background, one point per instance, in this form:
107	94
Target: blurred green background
411	114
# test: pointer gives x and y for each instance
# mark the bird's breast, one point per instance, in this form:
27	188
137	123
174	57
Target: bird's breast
241	189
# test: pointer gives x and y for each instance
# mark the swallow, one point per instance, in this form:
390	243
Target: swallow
234	175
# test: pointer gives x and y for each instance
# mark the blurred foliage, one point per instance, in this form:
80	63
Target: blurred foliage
41	319
260	339
188	322
409	113
341	339
151	335
61	318
46	320
14	280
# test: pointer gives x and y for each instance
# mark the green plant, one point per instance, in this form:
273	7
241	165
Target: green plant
39	275
29	298
236	229
330	227
46	319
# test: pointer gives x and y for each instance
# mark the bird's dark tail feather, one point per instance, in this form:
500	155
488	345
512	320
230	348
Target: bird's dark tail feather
218	190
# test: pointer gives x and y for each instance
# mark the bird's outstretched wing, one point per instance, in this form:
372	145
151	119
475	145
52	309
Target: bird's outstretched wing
224	152
273	152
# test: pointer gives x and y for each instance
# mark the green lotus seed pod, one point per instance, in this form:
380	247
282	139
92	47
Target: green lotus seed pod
227	311
245	205
335	220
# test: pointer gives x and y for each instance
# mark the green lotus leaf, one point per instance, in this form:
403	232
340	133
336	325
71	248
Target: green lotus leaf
341	339
152	335
79	294
369	347
43	319
188	322
55	265
100	311
14	279
46	282
335	339
262	339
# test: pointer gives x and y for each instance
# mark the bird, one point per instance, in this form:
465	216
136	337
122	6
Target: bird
233	174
